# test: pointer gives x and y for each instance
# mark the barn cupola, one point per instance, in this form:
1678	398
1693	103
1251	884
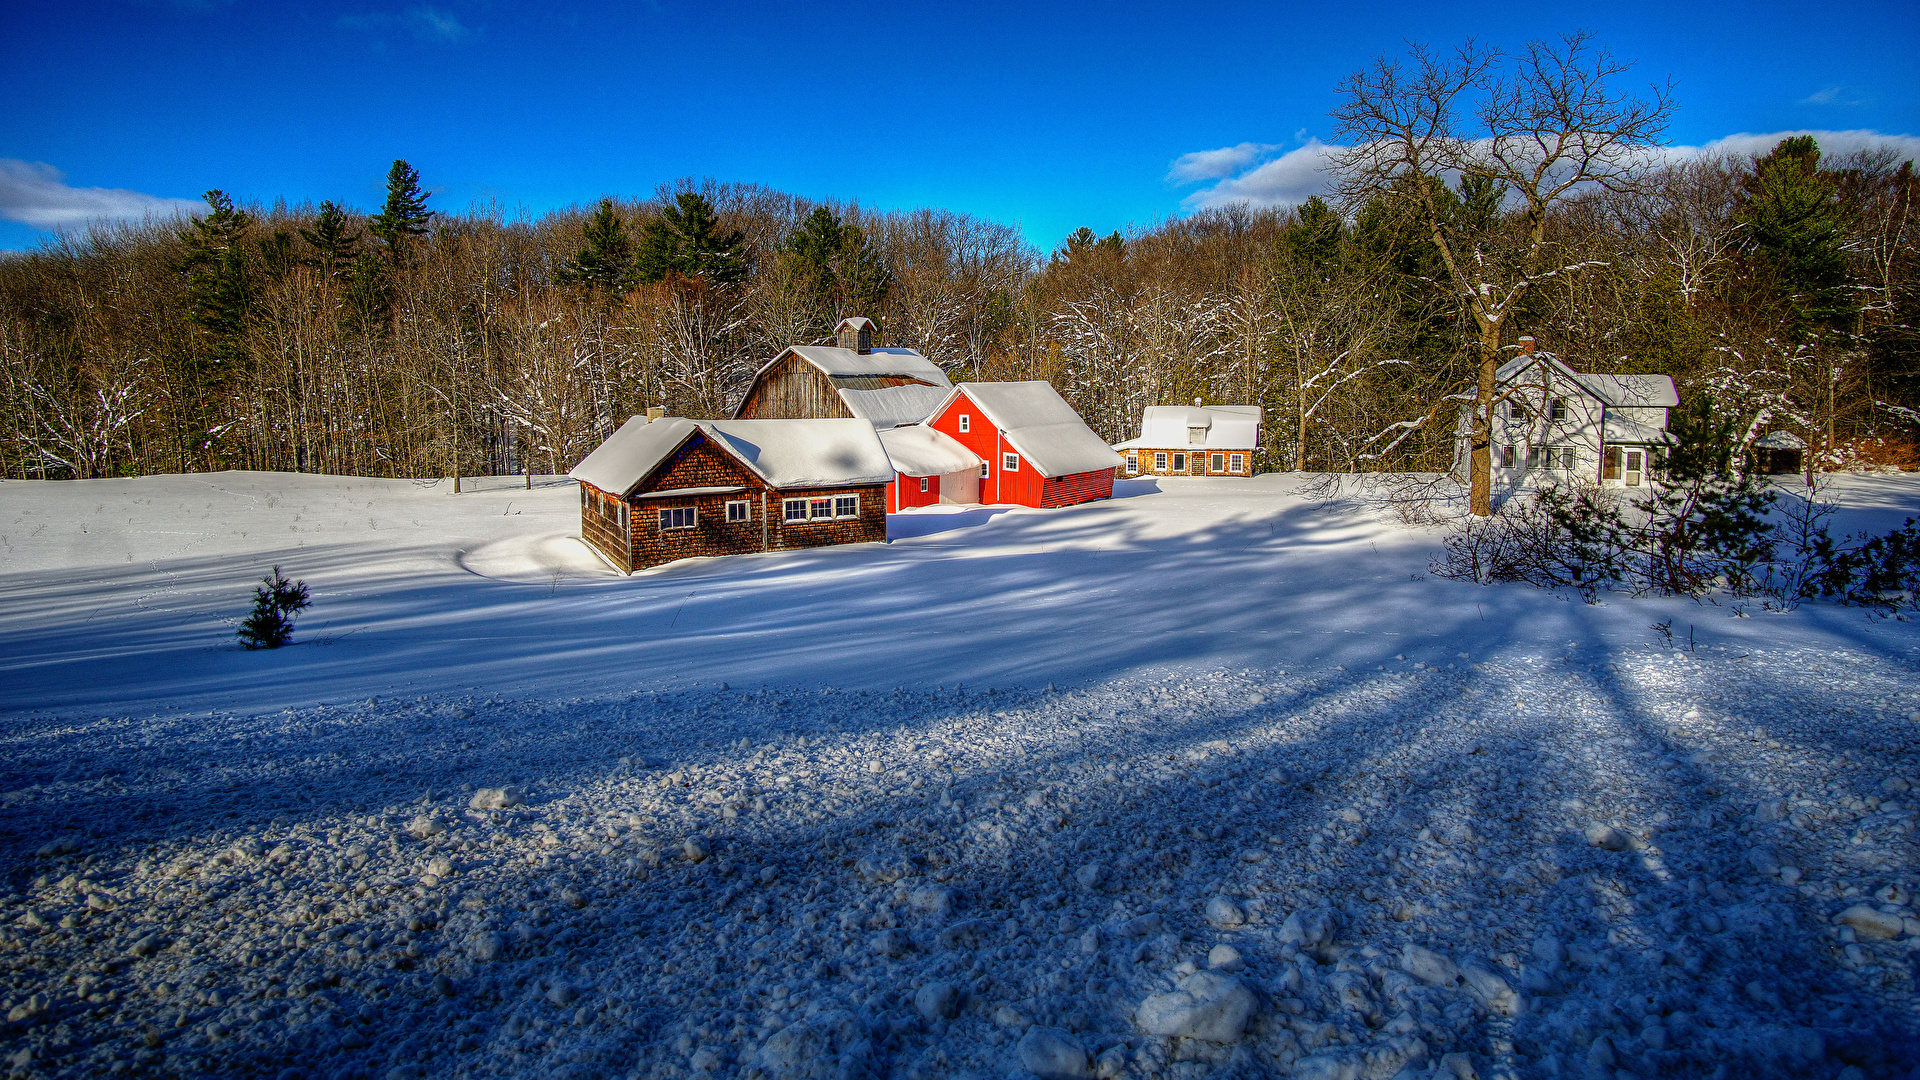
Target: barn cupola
855	333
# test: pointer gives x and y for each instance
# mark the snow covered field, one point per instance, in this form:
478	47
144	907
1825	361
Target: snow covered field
1208	780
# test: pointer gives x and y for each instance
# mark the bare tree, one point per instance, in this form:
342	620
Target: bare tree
1540	126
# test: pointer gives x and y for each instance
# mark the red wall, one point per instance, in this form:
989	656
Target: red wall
1024	486
904	491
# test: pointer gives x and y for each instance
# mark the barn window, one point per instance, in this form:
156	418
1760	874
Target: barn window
986	470
1217	463
1236	463
966	423
846	506
793	509
923	484
1133	462
820	509
1009	462
678	517
739	510
1159	463
1179	463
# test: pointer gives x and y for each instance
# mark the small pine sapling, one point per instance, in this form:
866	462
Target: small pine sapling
275	602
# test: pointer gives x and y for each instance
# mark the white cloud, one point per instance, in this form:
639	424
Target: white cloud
425	23
1300	173
1822	97
1217	164
36	194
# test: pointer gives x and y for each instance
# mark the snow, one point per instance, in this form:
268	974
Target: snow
893	406
1616	391
832	360
785	453
1227	427
1205	759
923	451
1040	424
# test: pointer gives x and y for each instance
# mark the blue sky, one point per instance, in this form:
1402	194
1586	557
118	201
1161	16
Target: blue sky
1049	116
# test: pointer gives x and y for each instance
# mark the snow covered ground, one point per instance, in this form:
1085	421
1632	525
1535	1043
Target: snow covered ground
1208	780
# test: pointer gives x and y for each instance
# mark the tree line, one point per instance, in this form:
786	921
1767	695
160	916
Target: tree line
416	342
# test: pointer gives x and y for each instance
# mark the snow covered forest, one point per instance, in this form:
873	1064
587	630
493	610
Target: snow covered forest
419	342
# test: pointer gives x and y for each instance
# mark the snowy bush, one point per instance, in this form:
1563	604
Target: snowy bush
275	602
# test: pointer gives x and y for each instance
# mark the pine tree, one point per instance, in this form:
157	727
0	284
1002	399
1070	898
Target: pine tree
219	277
686	241
606	263
334	241
1796	234
275	602
405	215
1665	338
843	272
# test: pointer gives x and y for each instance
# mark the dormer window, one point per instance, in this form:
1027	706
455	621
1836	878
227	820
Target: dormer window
1196	436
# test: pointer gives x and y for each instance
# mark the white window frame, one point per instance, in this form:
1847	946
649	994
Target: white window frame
1179	462
787	508
846	507
986	469
1159	461
1009	461
966	423
820	508
744	513
1557	409
1236	463
1217	463
1133	462
924	484
671	519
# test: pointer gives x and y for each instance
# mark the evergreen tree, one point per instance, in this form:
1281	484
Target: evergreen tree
1796	234
843	271
219	276
686	241
1664	338
275	602
334	241
1315	235
405	214
369	294
606	262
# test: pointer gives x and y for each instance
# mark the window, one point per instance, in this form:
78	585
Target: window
1506	456
1159	463
1533	457
1217	463
820	509
1236	463
1180	463
1557	409
846	506
1196	436
1009	462
986	469
924	481
966	423
739	510
793	509
1610	463
677	517
1133	462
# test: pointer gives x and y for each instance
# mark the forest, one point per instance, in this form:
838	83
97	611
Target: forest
418	341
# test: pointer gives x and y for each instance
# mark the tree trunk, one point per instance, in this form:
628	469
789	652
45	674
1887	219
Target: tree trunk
1480	458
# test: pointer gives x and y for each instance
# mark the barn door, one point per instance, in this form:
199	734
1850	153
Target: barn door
1635	459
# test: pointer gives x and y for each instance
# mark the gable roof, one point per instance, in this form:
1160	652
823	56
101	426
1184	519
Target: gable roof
837	362
1227	427
918	450
1040	424
784	453
892	406
1618	391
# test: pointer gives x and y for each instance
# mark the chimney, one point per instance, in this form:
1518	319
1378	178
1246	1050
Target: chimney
656	412
1527	345
1196	403
855	333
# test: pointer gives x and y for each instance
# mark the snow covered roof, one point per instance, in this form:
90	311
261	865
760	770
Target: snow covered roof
1040	424
832	360
1223	427
785	453
1619	429
917	450
892	406
1780	440
1619	391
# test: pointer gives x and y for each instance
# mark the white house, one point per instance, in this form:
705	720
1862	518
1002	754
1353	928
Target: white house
1551	421
1196	440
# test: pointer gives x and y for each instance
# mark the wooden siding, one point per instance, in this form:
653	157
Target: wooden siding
1077	488
1197	462
699	463
1023	486
905	491
792	389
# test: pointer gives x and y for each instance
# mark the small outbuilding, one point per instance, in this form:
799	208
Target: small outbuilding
1781	452
673	488
1195	440
929	468
1034	450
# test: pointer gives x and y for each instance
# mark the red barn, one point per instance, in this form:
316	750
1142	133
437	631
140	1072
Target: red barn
1035	450
928	468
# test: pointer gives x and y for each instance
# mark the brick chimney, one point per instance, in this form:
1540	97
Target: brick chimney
855	333
1527	345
